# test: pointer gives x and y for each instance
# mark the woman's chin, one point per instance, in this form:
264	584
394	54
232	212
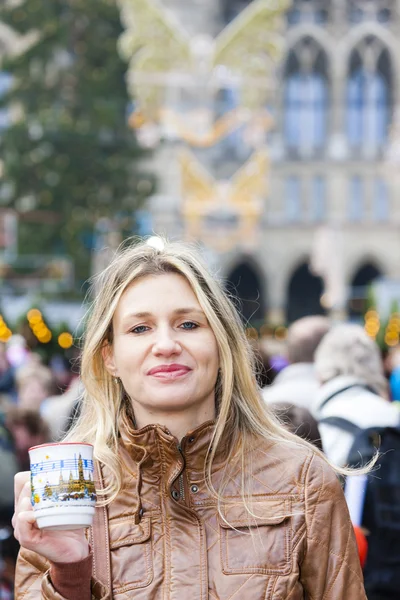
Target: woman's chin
173	402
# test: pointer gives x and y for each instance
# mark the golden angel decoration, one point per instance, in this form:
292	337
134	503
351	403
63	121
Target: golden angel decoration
174	78
222	214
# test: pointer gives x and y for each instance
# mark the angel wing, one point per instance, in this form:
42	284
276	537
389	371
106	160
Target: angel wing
153	44
198	185
248	183
251	45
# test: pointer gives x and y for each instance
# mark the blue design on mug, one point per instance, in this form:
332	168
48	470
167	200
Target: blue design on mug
64	481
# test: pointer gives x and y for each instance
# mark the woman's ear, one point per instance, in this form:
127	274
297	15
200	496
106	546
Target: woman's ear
108	359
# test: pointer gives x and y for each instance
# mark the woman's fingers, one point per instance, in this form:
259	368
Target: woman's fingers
22	497
26	531
20	480
24	494
58	546
24	522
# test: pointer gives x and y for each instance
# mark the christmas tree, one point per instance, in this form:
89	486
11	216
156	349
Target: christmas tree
69	159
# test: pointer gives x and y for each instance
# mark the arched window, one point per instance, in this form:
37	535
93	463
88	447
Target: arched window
304	294
232	146
318	203
304	11
293	204
381	201
356	200
362	279
380	10
369	96
306	98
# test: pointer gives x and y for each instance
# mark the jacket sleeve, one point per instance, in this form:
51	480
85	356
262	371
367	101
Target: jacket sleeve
33	580
331	567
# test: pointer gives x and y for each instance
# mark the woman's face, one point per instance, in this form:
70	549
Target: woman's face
163	350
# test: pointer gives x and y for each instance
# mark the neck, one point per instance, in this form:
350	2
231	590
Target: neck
179	423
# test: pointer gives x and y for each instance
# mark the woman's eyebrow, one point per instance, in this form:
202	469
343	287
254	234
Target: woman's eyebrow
177	311
189	310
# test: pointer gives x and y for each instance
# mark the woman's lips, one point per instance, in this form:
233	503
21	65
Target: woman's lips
169	372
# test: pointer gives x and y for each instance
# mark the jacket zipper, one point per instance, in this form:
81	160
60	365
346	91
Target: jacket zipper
181	482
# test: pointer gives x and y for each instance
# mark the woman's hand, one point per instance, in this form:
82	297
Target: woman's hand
56	546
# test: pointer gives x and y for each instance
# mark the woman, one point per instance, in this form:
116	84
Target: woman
206	495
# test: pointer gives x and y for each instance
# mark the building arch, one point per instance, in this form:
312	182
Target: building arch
365	274
304	291
246	283
309	30
360	32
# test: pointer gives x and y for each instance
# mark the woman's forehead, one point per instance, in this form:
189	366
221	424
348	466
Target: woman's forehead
169	292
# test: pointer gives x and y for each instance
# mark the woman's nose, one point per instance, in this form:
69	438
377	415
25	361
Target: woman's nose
166	344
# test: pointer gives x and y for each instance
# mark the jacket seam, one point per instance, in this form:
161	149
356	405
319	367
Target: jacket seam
167	557
318	490
319	542
336	555
304	470
40	574
203	563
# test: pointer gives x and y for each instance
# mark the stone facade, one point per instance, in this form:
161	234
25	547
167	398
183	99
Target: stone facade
334	111
333	194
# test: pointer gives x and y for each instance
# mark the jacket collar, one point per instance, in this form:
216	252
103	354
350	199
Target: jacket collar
155	444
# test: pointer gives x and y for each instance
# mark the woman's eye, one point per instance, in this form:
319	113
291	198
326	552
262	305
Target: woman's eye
189	325
139	329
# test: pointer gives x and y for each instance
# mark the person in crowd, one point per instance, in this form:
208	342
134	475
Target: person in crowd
299	421
7	379
8	468
297	383
28	429
349	367
57	410
206	494
35	383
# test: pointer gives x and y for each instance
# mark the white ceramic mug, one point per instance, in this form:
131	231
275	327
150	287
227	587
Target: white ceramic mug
62	485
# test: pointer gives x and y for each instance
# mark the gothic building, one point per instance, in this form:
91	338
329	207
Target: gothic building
334	179
328	224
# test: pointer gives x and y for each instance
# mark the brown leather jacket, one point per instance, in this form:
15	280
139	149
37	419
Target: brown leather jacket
168	541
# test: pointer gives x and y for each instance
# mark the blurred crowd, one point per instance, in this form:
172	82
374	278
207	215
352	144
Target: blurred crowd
336	388
328	384
37	403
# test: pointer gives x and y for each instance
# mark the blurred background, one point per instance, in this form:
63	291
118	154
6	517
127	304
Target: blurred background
268	132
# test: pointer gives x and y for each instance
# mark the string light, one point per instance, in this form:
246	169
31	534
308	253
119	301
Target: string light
38	326
5	331
65	340
392	330
281	333
251	333
372	323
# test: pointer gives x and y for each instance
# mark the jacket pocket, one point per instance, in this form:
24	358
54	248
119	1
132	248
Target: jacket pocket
131	553
256	544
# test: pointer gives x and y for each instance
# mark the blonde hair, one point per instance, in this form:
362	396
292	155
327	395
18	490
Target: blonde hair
242	416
